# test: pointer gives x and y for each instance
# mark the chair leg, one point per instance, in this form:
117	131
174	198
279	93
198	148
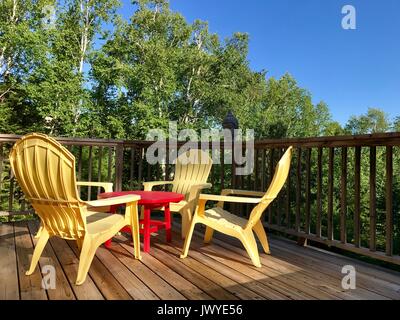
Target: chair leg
146	230
135	231
44	237
208	234
188	239
39	232
85	259
79	244
186	218
250	244
258	228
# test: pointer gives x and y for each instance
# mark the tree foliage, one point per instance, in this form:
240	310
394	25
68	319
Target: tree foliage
81	78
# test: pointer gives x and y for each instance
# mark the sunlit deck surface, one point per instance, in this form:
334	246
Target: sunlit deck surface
221	270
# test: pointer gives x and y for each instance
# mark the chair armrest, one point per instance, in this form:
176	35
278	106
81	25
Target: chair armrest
148	186
107	186
113	201
213	197
195	192
226	192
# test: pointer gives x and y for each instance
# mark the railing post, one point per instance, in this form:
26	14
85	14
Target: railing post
389	201
1	172
343	196
372	199
119	166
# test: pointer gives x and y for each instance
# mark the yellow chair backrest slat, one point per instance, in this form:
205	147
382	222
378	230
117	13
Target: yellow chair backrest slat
278	181
45	171
192	167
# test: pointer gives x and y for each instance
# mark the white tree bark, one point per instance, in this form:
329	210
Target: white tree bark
6	66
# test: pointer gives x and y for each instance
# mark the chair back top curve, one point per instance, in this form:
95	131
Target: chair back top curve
278	181
192	167
45	171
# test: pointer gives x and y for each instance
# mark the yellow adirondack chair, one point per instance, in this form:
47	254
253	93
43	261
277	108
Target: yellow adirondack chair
45	170
223	221
189	179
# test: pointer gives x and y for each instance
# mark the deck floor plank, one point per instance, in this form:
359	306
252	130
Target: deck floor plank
220	270
270	288
104	278
325	282
185	287
69	263
155	283
241	263
367	287
62	289
9	289
30	286
233	287
201	281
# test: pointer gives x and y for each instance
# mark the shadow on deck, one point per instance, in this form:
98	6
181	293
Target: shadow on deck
221	270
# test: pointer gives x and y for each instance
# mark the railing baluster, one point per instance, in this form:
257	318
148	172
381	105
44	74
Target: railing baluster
343	196
271	173
167	168
249	186
99	167
389	200
279	201
222	166
79	168
119	166
11	194
149	178
308	190
288	184
109	163
319	193
132	168
298	190
372	199
213	172
256	169
330	192
263	170
90	173
357	197
140	169
1	175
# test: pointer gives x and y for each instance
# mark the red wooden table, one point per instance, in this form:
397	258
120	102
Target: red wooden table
150	200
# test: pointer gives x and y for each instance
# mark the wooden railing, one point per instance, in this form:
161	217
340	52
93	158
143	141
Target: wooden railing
342	191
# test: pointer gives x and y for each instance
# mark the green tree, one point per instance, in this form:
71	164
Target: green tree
375	120
157	68
287	111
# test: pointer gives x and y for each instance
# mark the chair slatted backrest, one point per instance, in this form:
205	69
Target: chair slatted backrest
278	181
192	167
45	170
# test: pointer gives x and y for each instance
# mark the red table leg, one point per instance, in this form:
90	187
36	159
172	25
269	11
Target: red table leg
146	229
113	209
167	220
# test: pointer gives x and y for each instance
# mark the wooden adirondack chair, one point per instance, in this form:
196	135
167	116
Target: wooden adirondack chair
223	221
45	170
189	179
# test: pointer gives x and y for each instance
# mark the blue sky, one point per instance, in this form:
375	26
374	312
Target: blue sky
351	70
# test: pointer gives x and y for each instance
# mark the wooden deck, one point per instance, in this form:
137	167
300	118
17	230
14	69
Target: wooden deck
221	270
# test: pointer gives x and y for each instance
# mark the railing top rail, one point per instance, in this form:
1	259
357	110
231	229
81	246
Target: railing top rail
376	139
